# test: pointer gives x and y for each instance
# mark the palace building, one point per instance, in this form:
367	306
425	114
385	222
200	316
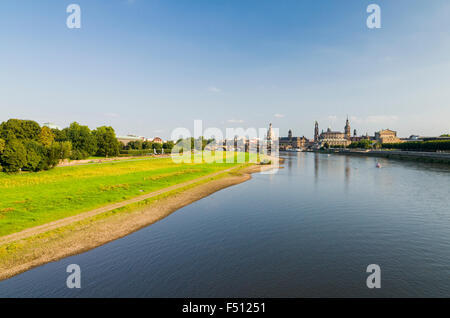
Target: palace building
333	138
290	142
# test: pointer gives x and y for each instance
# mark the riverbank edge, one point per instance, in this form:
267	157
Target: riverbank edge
399	155
81	236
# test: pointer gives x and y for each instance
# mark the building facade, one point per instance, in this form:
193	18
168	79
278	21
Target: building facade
290	142
129	138
387	136
333	138
157	140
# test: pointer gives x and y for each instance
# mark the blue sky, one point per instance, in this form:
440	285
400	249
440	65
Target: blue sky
146	67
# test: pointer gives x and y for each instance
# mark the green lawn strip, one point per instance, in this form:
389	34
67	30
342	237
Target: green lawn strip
15	251
32	199
26	205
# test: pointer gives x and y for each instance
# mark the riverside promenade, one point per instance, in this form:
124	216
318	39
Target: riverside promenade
440	157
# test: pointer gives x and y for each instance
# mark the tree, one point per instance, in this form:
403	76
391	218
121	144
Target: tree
14	156
2	145
58	151
158	147
107	143
46	136
59	135
84	143
36	155
19	129
362	144
147	145
167	146
137	145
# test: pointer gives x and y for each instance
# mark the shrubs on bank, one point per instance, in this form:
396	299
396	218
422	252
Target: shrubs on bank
136	152
362	144
434	145
26	146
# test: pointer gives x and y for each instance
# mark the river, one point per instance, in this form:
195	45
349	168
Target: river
309	230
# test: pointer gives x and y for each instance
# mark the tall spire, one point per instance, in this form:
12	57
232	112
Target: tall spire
270	135
347	129
316	131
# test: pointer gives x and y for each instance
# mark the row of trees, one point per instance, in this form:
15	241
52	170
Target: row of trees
435	145
148	145
25	145
85	143
362	144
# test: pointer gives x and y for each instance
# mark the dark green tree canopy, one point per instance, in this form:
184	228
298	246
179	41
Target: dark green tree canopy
2	145
106	140
14	156
19	129
84	143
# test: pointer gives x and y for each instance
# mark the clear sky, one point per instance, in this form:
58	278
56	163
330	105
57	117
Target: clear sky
146	67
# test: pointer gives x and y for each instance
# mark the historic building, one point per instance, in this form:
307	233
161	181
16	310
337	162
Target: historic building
127	139
387	136
290	142
316	132
347	129
333	138
157	140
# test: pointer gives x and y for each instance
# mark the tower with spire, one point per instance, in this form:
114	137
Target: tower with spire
347	129
316	131
270	135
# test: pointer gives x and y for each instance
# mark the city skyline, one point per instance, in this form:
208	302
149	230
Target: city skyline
146	68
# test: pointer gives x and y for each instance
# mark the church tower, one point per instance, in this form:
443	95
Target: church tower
347	129
316	132
290	134
270	135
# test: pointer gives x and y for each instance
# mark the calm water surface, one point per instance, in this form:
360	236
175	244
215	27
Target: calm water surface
310	230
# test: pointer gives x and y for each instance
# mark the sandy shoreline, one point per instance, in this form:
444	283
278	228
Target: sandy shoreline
21	254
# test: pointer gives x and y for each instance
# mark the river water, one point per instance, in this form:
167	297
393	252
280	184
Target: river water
309	230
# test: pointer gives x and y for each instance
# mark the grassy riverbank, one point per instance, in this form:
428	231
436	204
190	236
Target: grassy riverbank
32	199
39	246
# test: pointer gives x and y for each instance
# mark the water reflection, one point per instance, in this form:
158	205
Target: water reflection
347	172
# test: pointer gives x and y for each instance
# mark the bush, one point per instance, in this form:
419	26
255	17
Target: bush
78	155
143	152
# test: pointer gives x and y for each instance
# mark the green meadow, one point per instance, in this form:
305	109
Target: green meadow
31	199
